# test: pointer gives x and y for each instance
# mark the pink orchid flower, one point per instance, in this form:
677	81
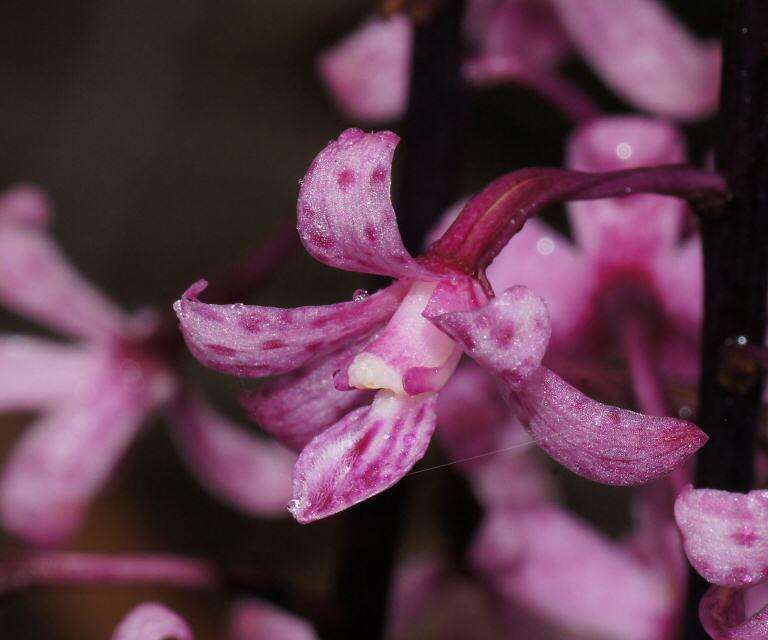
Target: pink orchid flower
96	392
404	343
249	620
642	52
725	536
629	280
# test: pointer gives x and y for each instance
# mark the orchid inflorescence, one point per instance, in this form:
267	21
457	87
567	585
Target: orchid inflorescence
356	390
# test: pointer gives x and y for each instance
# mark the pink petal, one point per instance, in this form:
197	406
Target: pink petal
152	621
63	460
508	336
248	472
25	205
367	73
725	535
345	214
478	429
542	259
646	55
626	230
363	454
569	574
603	443
296	406
722	614
37	281
37	373
252	341
256	620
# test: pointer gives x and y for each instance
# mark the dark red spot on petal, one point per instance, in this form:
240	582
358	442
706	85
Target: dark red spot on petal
346	179
745	538
268	345
370	233
251	322
319	240
379	174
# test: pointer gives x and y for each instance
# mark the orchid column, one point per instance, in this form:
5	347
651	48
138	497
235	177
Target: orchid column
735	266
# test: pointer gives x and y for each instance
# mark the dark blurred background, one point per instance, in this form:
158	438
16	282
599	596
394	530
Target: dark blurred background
172	136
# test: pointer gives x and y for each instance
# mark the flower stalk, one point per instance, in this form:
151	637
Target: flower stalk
433	126
735	268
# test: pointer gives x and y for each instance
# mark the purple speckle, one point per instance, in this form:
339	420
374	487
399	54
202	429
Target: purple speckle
268	345
379	174
504	335
370	233
745	538
251	322
319	240
346	180
207	312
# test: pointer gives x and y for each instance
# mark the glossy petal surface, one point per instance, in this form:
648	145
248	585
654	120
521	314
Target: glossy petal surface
252	341
256	620
603	443
363	454
725	535
152	621
644	54
508	336
248	472
345	214
367	72
297	406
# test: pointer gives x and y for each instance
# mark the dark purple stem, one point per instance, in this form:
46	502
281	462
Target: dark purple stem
735	267
498	212
432	138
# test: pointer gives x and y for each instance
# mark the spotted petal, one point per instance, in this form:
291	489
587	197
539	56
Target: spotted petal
37	281
725	535
644	54
296	406
367	73
256	620
626	230
63	460
37	373
252	341
345	214
508	337
152	621
363	454
565	572
724	614
249	472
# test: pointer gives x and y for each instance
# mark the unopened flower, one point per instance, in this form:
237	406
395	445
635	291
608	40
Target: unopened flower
403	342
637	47
96	392
725	536
248	620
